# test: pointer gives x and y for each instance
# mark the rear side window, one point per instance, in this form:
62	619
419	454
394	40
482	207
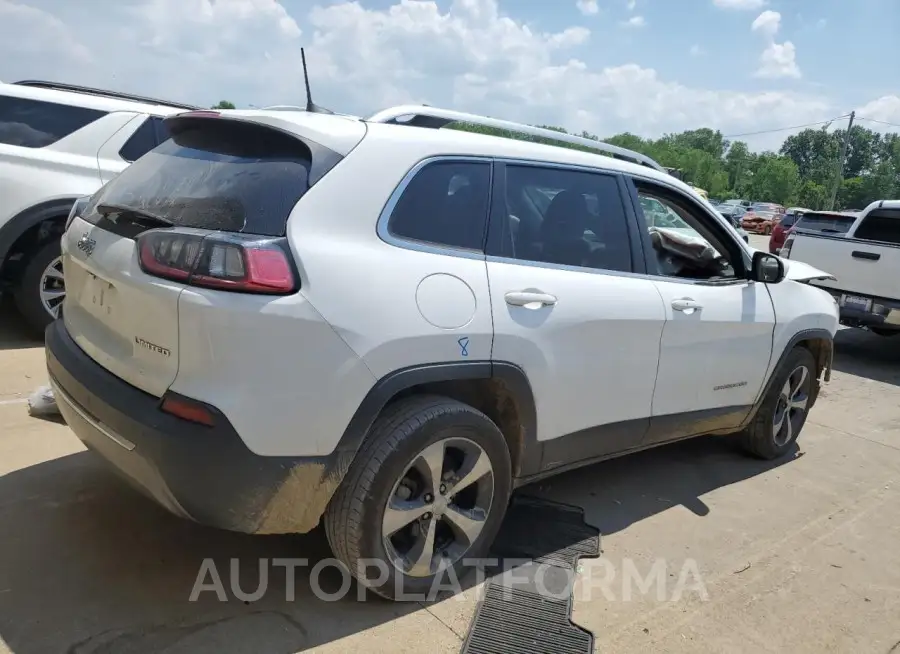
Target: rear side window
36	124
564	217
446	203
151	133
217	175
825	223
880	225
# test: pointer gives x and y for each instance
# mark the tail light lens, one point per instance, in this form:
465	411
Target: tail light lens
228	262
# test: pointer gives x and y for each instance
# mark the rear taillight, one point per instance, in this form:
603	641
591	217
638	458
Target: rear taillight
229	262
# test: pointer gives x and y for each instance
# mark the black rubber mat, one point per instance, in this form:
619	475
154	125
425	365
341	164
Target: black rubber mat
528	608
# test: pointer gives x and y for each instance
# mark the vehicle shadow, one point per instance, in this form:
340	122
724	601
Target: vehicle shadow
14	334
861	353
88	565
623	491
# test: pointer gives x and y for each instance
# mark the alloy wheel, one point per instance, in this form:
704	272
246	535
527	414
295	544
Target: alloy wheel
438	507
791	407
53	287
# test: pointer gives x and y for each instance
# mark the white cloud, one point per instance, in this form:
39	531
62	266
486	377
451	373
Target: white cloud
778	60
821	23
632	4
697	51
465	54
767	23
886	109
740	4
635	21
27	31
588	7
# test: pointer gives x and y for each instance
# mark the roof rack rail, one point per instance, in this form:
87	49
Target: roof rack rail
435	118
59	86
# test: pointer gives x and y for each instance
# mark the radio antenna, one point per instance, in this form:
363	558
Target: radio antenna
311	106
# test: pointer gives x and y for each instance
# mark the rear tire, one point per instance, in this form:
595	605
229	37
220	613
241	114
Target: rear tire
784	409
391	479
38	283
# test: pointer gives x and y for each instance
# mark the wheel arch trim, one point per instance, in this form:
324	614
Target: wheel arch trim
394	383
15	227
796	339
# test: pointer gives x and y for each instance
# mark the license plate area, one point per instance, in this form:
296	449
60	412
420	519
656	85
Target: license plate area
856	302
98	296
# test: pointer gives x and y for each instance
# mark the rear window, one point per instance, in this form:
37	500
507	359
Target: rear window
825	223
36	124
880	225
217	175
788	219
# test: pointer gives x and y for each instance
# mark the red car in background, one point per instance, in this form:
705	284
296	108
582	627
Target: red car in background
781	228
757	221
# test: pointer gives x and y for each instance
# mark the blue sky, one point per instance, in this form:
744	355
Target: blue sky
606	66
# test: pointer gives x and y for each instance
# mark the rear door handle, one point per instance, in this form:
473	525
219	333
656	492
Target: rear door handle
871	256
686	305
530	299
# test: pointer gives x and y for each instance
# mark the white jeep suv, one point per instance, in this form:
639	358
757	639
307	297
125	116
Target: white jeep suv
59	142
277	317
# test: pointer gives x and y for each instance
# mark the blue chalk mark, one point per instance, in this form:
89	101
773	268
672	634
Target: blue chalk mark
464	346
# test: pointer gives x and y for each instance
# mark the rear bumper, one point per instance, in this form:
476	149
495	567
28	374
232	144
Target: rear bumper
204	474
883	313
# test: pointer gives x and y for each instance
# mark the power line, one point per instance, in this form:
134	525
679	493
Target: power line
785	129
880	122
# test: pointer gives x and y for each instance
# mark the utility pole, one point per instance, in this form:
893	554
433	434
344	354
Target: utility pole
840	166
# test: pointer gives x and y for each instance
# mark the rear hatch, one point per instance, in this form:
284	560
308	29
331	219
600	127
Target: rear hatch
207	208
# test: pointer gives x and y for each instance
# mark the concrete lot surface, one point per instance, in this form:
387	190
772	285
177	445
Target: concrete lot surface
797	556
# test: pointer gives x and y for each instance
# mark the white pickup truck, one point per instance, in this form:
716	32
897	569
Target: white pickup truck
862	252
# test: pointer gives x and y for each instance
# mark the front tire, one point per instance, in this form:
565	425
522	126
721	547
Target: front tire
428	489
781	417
42	289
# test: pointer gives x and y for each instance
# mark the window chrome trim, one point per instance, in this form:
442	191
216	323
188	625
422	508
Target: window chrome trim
423	246
446	250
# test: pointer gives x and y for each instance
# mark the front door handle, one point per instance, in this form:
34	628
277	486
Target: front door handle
530	299
686	305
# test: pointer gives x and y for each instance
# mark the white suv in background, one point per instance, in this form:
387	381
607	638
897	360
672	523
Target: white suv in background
277	317
59	142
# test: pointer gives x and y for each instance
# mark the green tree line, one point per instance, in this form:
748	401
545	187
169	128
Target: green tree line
801	173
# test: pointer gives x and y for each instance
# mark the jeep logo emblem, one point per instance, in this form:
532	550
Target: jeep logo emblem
86	244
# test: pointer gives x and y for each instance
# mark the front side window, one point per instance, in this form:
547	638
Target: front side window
37	124
446	204
683	241
565	217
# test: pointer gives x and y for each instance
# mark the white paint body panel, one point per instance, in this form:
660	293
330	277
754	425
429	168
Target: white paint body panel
726	341
868	278
286	382
592	357
110	302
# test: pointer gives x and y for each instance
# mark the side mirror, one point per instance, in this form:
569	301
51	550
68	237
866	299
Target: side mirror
767	268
